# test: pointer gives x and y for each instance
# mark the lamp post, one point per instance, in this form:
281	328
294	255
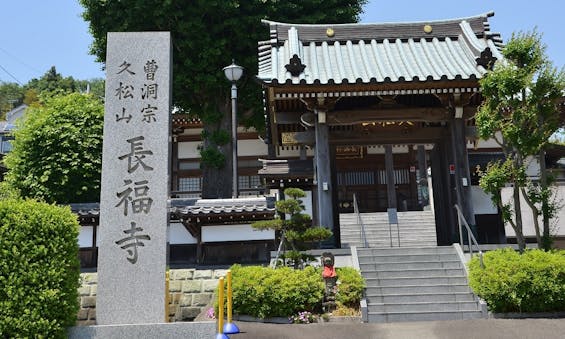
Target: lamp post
233	73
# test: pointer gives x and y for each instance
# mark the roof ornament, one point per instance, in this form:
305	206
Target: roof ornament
486	59
295	66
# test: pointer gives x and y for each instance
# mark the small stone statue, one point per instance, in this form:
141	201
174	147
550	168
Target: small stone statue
330	278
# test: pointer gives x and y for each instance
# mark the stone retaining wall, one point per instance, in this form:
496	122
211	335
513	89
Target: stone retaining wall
190	293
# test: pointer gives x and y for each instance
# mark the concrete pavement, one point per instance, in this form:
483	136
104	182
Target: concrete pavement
455	329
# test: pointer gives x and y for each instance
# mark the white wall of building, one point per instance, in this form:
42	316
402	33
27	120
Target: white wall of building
188	149
558	223
85	236
251	147
482	202
234	233
178	234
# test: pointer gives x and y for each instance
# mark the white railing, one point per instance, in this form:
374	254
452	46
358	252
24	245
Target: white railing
470	237
360	222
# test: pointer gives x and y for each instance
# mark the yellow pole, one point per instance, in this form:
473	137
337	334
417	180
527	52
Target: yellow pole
167	297
229	297
221	306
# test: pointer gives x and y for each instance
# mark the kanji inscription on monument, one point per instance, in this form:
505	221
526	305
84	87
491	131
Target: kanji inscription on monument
135	179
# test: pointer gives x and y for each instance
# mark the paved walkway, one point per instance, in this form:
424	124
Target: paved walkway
459	329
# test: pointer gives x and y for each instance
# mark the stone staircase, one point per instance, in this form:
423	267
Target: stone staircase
416	228
417	284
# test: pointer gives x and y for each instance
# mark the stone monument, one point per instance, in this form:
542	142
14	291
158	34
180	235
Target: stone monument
135	179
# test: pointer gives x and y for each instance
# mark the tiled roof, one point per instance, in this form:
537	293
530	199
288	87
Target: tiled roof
377	53
190	208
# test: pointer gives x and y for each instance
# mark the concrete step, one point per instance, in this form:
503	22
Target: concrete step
414	289
419	281
376	317
367	267
449	306
422	297
415	273
408	251
363	259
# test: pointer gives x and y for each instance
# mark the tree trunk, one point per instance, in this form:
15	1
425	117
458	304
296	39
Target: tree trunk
535	216
518	217
217	182
544	203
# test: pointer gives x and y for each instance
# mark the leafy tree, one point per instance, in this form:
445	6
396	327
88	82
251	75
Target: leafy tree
11	95
57	150
52	83
297	231
520	112
206	36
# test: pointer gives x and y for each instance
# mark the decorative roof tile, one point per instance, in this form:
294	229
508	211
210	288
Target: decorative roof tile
378	53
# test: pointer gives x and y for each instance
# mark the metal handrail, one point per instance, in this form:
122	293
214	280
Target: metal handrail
470	237
360	222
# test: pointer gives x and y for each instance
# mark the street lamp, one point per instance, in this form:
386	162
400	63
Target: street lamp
233	72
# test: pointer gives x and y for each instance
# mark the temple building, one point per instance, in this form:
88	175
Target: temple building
372	118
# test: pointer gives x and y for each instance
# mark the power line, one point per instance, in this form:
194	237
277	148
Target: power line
10	74
19	60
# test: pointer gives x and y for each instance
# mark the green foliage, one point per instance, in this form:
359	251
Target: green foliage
52	83
520	112
350	287
510	282
297	230
11	96
265	292
39	269
212	157
206	37
57	151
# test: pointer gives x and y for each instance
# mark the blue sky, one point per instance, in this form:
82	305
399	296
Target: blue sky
38	34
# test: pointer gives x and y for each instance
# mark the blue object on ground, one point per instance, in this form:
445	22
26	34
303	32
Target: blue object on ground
231	328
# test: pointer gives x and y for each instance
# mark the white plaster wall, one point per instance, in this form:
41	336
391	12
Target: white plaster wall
234	233
85	236
380	149
558	223
179	235
293	152
307	202
251	147
189	149
482	203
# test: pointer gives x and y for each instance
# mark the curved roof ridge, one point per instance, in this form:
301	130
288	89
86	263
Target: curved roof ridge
478	16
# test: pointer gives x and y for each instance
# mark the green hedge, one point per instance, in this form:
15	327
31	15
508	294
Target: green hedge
264	292
39	269
510	282
350	288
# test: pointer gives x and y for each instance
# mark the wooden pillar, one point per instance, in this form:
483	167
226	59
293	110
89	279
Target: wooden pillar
390	186
462	173
323	171
443	197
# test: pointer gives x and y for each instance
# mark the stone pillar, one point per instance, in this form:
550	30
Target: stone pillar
135	179
390	186
323	172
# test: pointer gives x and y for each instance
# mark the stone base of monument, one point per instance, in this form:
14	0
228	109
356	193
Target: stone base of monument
185	330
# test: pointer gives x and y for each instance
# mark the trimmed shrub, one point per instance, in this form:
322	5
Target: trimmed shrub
39	269
264	292
510	282
350	288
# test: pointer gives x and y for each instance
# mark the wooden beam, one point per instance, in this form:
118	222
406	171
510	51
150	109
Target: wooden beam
357	116
409	136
